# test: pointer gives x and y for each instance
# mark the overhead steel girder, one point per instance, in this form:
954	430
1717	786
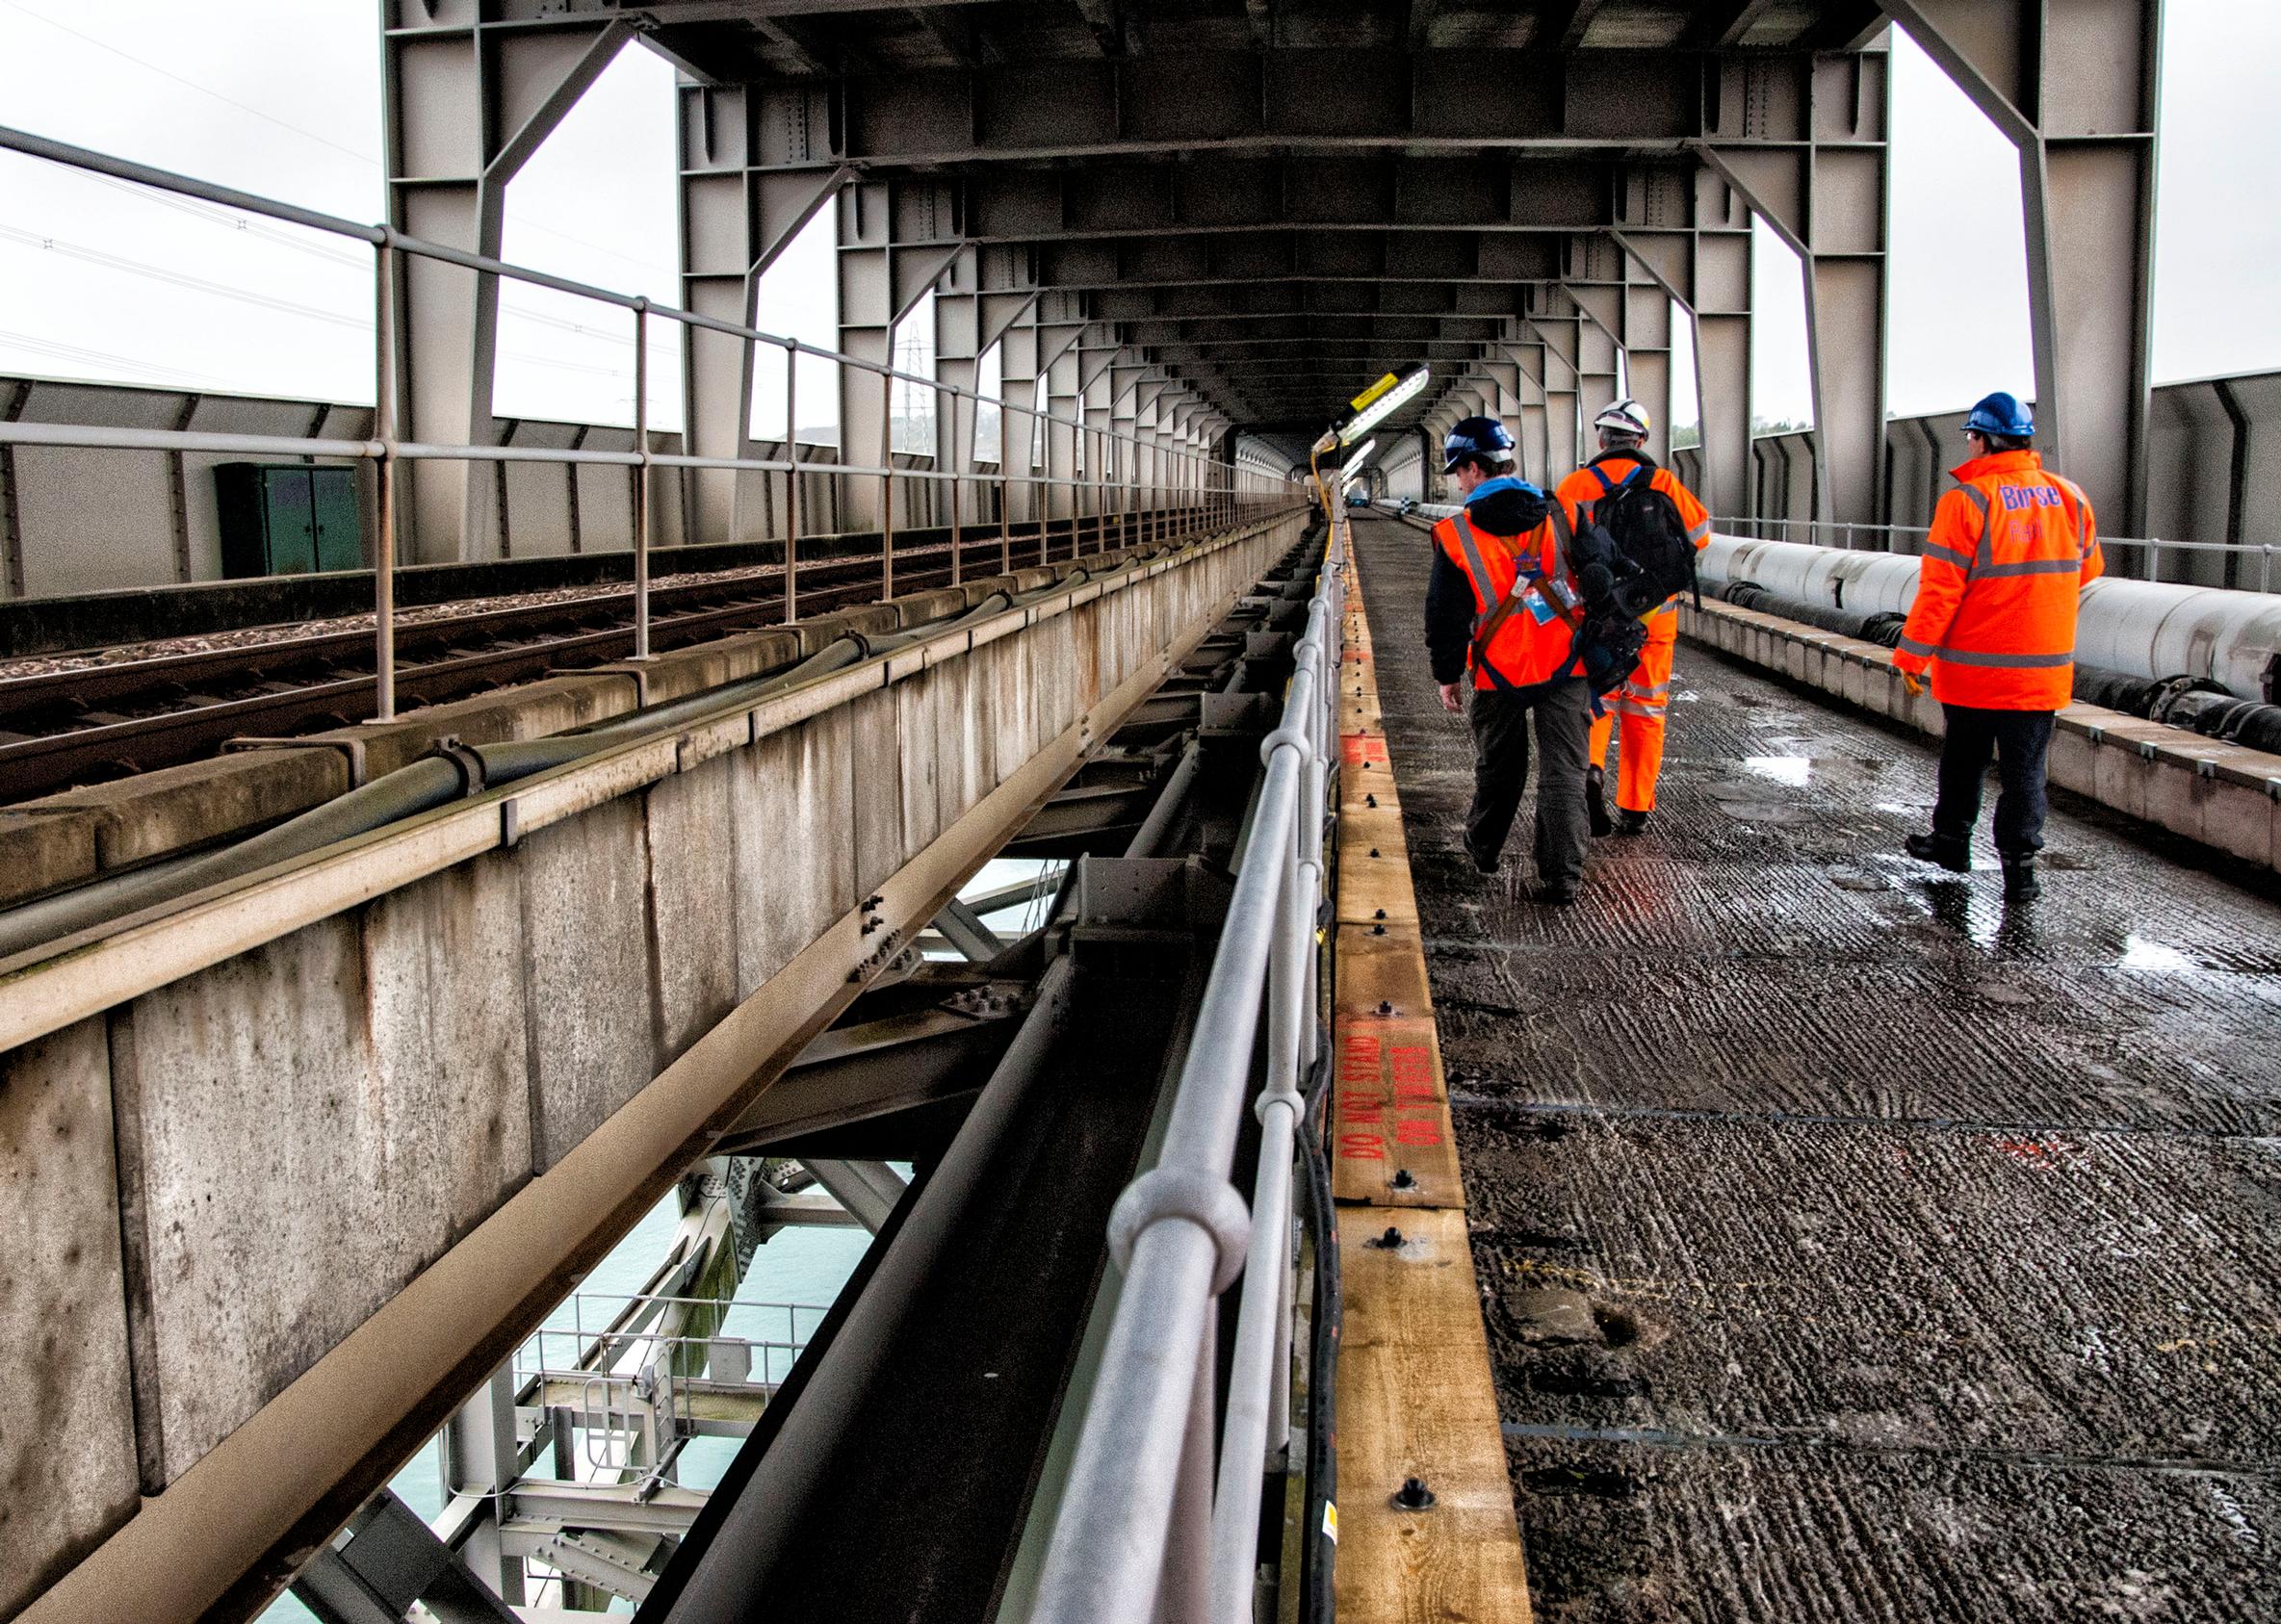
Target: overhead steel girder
1827	200
1272	317
735	223
1110	199
1192	301
1311	372
1247	100
897	242
1695	241
2075	85
467	105
1276	331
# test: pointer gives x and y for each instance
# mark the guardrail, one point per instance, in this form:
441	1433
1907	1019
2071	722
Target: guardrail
1143	1481
634	1387
1148	467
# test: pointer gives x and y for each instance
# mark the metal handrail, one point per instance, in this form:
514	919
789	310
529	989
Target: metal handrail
1185	476
1142	1484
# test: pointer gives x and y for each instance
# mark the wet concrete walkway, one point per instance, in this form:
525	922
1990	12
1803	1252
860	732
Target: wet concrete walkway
1852	1247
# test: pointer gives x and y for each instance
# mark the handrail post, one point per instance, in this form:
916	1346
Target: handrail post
792	487
887	481
385	412
955	460
641	480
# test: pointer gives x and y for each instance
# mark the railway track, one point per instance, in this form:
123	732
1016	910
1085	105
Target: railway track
65	727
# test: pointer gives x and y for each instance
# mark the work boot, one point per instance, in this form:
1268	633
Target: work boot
1951	853
1629	822
1481	865
1595	800
2020	883
1555	893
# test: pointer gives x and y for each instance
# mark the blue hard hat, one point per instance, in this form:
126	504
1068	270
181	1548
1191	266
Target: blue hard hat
1483	437
2001	413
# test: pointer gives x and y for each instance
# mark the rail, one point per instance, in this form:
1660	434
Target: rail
1149	464
1143	1481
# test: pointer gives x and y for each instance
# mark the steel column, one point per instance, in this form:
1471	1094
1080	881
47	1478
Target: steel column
464	107
2075	84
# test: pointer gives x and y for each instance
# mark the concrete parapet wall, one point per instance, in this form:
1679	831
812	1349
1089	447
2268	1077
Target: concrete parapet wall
231	1135
2222	795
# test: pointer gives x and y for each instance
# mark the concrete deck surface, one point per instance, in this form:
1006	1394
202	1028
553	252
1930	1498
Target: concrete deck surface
1852	1246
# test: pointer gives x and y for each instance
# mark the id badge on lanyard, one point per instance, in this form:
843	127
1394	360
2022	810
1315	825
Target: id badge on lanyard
1532	598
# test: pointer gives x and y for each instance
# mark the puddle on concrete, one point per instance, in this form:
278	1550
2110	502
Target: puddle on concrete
1793	770
2140	953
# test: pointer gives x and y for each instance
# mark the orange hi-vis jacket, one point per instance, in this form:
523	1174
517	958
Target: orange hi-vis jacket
1532	644
2011	550
1584	487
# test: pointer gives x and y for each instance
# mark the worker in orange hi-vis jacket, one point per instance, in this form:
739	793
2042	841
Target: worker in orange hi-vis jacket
1645	696
1499	606
2011	550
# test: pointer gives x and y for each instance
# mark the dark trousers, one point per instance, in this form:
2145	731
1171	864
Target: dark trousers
1563	714
2019	740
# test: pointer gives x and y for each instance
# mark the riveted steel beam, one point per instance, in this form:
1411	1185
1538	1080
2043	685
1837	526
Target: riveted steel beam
468	103
2074	84
1803	142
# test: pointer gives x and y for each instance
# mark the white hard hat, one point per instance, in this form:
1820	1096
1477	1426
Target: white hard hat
1625	417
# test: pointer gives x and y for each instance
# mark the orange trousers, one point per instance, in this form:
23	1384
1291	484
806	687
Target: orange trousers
1640	705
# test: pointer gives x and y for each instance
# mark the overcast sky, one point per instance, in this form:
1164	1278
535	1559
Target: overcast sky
102	280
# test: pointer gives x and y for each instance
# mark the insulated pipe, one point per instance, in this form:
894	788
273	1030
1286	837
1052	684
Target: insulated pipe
2138	628
437	781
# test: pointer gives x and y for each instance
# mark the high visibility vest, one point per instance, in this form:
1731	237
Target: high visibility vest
1610	469
1532	644
2004	569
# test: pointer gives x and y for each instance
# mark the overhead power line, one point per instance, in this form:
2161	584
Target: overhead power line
371	158
189	84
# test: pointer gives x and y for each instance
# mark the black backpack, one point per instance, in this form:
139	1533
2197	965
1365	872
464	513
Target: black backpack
1609	633
1649	537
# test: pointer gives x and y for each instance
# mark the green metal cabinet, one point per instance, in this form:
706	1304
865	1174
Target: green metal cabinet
288	519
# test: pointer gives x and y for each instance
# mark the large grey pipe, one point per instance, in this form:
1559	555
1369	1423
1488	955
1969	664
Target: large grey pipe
437	781
2139	628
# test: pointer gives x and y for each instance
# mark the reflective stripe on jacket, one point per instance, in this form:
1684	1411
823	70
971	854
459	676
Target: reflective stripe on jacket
1582	488
1525	649
2004	569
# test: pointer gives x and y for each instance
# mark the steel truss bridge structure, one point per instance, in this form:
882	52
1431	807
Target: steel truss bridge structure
329	1067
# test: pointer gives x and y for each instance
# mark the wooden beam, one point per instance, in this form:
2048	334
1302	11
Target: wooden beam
1417	1396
